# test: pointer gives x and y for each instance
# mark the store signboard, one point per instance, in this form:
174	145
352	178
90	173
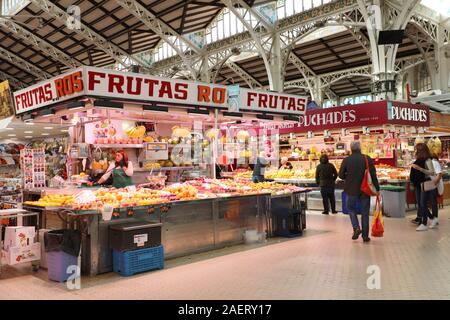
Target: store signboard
106	83
140	87
408	114
359	115
266	101
57	89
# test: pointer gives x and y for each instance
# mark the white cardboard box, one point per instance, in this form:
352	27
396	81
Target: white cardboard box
19	237
16	255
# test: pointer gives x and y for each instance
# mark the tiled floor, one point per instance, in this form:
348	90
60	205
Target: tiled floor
323	264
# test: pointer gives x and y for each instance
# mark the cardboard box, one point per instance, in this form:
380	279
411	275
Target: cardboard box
16	255
19	237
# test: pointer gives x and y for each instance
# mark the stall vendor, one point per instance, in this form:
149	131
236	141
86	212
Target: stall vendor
121	170
259	168
285	164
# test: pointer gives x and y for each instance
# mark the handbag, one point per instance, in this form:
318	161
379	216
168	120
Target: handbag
428	185
367	185
377	223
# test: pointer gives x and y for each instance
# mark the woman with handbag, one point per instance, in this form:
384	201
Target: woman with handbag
428	189
416	179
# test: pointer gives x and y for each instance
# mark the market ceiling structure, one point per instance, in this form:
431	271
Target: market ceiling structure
36	42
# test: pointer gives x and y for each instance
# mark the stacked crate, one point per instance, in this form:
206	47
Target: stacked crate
136	247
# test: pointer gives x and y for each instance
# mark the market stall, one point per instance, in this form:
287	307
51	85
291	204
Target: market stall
388	132
170	132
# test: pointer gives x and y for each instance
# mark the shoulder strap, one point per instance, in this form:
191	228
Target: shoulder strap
367	162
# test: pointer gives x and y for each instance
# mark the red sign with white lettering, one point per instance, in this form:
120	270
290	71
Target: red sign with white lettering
359	115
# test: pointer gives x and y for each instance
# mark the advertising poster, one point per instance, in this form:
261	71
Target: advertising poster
6	106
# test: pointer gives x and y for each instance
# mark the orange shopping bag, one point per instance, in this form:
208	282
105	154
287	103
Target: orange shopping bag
377	223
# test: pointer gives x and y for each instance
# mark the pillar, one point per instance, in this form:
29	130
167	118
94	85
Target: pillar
276	66
205	72
440	75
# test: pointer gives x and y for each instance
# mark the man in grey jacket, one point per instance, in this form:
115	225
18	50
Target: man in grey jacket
352	171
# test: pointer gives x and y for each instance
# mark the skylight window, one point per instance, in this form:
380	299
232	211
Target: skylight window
440	6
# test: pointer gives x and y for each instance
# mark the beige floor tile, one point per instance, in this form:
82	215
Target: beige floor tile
323	264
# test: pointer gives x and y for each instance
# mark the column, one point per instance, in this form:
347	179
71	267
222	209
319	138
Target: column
276	66
205	73
442	64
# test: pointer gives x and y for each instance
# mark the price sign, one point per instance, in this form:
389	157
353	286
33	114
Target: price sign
156	151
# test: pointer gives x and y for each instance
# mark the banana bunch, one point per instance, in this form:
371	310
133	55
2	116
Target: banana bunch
136	132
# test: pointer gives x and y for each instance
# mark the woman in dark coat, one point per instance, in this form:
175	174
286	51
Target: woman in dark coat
326	175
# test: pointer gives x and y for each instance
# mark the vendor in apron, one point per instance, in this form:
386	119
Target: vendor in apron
121	170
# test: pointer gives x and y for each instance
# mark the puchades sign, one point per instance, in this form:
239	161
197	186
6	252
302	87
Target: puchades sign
359	115
229	147
116	85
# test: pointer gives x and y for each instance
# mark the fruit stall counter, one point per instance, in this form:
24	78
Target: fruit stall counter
189	226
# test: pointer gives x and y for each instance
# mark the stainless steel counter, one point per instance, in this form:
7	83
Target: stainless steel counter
188	227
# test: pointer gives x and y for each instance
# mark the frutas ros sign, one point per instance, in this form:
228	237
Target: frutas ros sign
97	82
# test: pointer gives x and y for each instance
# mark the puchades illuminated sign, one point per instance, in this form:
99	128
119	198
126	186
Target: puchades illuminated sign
398	111
105	83
359	115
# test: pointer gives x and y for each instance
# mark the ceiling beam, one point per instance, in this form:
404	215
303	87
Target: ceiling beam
159	27
12	81
261	19
23	64
39	43
164	31
250	80
119	55
286	25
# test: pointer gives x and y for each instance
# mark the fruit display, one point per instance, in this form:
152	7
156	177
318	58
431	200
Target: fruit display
149	139
279	174
152	166
183	191
156	182
244	174
191	190
56	200
388	172
136	132
80	178
290	174
180	132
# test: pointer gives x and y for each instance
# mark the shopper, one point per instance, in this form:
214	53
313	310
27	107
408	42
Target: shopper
259	168
121	170
417	177
352	171
438	175
326	176
285	164
427	195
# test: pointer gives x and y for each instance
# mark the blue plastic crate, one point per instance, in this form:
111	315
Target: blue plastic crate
57	264
128	263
